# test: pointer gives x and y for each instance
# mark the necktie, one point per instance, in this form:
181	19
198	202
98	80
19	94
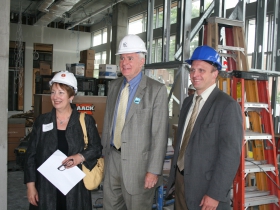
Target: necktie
180	162
121	116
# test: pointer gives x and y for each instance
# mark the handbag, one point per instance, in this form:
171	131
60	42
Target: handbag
94	177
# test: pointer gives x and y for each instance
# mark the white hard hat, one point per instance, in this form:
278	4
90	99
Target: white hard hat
191	87
65	77
131	44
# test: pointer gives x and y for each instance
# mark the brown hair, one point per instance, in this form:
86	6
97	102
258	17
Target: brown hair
70	90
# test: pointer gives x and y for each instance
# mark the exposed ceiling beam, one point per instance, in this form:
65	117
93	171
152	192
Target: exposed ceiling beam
94	13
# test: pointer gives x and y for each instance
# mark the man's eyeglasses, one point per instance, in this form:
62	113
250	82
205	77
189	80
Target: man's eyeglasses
69	163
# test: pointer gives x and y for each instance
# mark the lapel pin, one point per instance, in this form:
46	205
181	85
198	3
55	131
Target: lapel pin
137	100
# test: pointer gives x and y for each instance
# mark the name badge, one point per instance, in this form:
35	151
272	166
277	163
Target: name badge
137	100
47	127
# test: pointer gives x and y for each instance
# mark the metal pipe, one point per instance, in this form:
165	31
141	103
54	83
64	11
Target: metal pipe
151	5
45	5
95	13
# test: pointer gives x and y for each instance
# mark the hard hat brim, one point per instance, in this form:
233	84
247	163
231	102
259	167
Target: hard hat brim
217	65
127	52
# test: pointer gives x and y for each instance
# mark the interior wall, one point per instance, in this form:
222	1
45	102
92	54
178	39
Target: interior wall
67	45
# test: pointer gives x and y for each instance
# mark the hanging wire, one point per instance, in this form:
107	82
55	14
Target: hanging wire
19	51
78	42
35	53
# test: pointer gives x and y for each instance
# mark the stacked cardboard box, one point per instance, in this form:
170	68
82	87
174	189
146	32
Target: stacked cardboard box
87	57
107	71
78	69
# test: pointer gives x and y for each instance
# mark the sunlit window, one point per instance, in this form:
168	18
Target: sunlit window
160	18
165	76
137	24
104	36
173	13
103	57
156	51
194	43
100	58
231	3
97	61
99	37
172	48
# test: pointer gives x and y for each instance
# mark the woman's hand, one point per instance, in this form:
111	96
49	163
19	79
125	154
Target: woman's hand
73	160
32	193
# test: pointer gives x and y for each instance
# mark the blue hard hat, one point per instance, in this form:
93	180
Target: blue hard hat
207	54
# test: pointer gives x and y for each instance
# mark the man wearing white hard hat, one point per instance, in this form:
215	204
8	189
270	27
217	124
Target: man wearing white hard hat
191	90
134	145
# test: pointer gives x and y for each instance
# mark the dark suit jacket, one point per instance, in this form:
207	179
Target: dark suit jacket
144	135
212	156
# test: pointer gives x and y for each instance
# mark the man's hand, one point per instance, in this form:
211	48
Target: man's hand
150	180
208	203
32	193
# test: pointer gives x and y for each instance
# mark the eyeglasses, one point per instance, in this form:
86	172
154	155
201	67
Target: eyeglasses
69	163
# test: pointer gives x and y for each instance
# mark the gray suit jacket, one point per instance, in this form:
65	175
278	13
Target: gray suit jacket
144	136
213	153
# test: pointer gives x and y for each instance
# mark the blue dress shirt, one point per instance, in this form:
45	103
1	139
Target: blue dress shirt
133	85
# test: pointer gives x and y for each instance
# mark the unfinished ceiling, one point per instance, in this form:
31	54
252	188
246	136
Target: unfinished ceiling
68	12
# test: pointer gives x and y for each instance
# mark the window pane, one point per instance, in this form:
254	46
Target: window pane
195	9
194	43
153	52
158	50
97	38
251	36
172	48
97	60
145	23
103	57
160	18
165	76
104	38
154	19
231	3
173	13
135	25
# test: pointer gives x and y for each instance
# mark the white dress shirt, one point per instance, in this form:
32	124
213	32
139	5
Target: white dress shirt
204	96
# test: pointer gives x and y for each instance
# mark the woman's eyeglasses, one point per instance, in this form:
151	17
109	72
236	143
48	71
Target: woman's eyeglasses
69	163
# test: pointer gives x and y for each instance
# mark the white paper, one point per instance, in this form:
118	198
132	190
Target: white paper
62	180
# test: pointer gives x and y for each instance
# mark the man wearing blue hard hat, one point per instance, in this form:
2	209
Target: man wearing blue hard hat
210	134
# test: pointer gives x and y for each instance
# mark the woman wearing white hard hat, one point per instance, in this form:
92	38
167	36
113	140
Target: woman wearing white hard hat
60	129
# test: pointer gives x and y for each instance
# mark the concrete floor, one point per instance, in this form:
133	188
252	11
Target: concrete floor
17	198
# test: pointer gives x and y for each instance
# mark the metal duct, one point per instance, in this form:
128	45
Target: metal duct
54	11
94	13
45	5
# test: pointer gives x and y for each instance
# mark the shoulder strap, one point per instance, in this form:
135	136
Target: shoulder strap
82	121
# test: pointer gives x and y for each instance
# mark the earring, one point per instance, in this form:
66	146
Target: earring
70	101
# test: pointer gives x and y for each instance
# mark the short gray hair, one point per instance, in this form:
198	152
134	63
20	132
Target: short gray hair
141	55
